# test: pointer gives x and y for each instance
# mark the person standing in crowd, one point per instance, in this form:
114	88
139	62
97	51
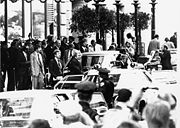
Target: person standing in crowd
85	91
37	68
64	46
49	49
106	86
169	43
74	64
130	40
69	53
174	39
4	62
121	101
56	67
12	63
84	46
23	66
165	58
95	46
154	44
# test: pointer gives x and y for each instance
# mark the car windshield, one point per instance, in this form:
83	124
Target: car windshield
90	61
14	112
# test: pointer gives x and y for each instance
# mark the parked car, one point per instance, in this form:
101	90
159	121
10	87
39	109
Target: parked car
103	59
19	108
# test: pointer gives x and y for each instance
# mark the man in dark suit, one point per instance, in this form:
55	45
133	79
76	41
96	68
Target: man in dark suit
12	62
23	69
166	58
56	67
74	64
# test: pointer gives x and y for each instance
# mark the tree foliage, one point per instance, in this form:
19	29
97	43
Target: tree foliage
85	20
143	20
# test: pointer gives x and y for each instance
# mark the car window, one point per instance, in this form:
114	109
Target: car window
89	61
74	78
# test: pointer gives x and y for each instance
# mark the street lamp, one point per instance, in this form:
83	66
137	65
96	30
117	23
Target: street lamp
97	5
118	7
136	27
6	17
153	3
31	18
58	19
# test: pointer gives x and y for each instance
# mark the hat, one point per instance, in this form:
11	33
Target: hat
56	50
103	71
86	87
124	95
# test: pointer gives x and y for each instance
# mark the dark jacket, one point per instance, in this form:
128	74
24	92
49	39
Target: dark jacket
54	69
87	109
74	66
166	60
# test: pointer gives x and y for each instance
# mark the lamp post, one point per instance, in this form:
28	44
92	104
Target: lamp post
136	27
31	19
58	19
6	17
153	3
97	5
118	7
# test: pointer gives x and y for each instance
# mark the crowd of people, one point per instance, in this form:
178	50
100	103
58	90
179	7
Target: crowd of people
25	63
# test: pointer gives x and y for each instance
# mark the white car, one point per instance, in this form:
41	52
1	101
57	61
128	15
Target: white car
19	108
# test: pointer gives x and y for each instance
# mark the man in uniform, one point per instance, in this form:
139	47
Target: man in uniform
85	91
106	86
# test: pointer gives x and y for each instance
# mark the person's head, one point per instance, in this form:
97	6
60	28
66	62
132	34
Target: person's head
15	43
166	39
156	36
164	47
103	73
58	43
93	43
84	42
85	90
39	123
37	47
50	38
129	124
77	55
57	53
44	44
71	39
156	53
124	95
157	114
129	35
64	40
112	47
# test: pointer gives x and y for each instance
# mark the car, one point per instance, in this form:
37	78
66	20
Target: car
103	59
19	108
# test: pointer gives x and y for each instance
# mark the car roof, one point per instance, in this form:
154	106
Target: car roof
34	93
